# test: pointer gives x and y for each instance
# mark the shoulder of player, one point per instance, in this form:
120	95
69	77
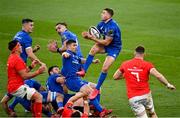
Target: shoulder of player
15	59
124	63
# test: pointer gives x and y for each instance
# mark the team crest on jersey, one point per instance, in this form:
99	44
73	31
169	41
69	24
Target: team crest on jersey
110	33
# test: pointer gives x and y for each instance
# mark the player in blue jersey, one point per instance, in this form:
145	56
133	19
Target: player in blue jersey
110	44
25	40
55	83
65	35
71	65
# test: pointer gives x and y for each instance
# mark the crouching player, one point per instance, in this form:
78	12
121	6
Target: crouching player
54	84
71	65
17	72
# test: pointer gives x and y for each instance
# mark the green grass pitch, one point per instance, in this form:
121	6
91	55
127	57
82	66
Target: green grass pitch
152	23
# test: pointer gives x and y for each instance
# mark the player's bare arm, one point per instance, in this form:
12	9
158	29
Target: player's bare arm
162	79
66	54
4	103
104	42
30	53
118	75
27	75
60	80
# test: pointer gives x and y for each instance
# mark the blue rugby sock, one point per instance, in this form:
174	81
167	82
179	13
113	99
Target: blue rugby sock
60	104
96	104
88	62
98	97
101	80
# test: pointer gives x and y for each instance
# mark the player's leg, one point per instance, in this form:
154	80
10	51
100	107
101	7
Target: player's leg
97	48
93	85
4	103
46	109
149	105
138	107
31	94
87	90
36	97
107	63
59	100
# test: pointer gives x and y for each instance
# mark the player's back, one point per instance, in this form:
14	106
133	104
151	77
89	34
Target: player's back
25	41
136	73
52	85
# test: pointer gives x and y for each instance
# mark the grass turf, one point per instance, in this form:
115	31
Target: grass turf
152	23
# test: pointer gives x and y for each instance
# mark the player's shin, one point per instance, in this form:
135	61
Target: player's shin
88	62
96	104
37	108
101	80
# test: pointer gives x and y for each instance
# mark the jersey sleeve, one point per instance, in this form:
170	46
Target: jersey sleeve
19	64
150	66
27	42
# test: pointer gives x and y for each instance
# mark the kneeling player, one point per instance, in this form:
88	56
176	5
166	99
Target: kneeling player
55	83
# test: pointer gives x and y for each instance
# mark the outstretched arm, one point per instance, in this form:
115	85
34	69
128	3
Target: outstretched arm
161	78
118	75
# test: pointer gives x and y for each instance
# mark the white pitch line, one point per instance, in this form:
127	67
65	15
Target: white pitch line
87	45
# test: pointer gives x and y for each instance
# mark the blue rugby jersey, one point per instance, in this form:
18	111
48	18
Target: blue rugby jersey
111	29
67	35
25	41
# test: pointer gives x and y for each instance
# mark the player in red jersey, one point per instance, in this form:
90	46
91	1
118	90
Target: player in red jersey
136	73
17	72
69	111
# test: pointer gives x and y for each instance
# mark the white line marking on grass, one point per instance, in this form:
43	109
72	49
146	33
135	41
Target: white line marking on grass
87	45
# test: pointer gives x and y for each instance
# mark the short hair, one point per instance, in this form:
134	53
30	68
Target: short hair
76	114
70	42
140	49
26	20
110	11
51	68
12	44
62	23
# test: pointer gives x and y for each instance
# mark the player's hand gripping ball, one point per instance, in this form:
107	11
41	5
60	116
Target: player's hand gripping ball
94	32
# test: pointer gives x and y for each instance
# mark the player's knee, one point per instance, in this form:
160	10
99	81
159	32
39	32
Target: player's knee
94	50
153	115
105	69
87	90
37	97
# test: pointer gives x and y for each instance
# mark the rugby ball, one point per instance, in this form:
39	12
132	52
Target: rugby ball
94	31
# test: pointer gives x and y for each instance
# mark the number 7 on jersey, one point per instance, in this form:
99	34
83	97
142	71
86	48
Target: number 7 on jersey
136	74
